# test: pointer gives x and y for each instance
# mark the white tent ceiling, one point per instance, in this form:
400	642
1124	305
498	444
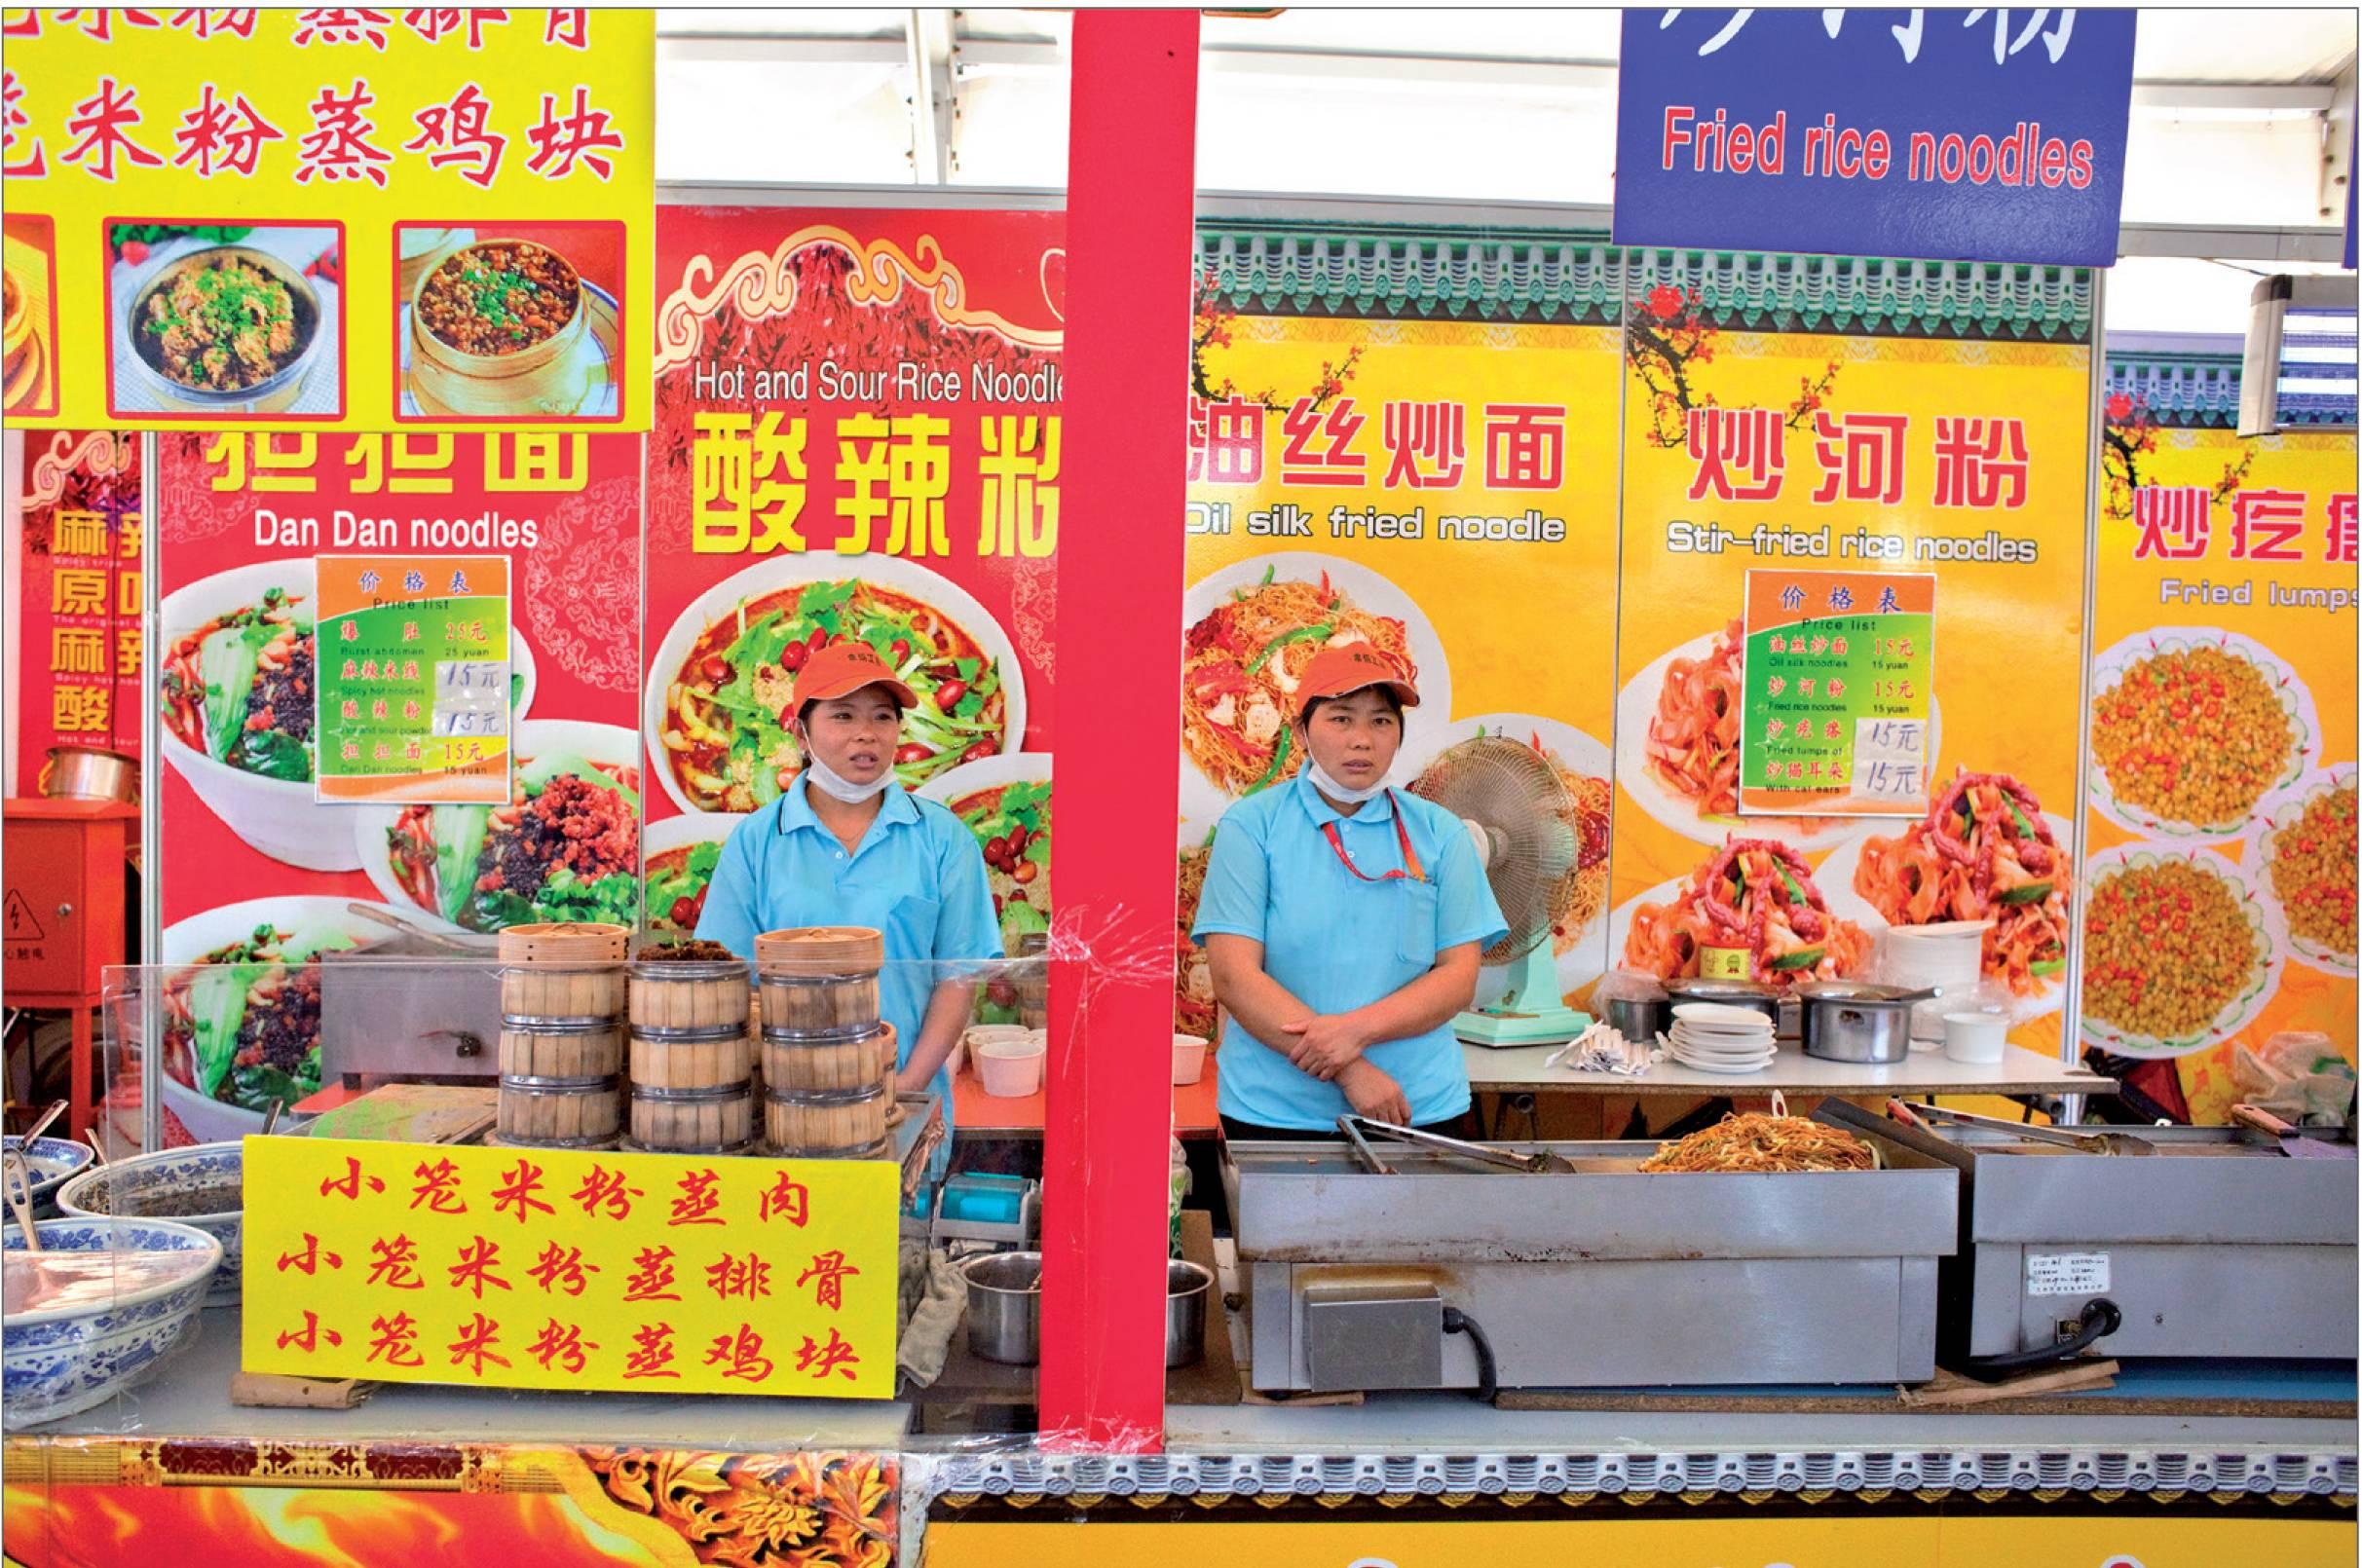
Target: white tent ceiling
2242	118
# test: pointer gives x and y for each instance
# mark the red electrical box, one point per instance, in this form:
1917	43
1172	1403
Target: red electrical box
61	912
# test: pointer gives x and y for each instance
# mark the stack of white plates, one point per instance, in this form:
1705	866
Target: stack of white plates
1945	958
1716	1037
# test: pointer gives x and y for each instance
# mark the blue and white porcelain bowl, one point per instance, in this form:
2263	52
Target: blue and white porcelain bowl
53	1161
162	1187
57	1361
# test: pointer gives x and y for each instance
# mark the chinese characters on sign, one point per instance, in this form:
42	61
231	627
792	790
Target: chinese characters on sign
1839	673
413	682
529	1268
79	644
320	160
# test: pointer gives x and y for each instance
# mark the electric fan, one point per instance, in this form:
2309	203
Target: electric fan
1523	822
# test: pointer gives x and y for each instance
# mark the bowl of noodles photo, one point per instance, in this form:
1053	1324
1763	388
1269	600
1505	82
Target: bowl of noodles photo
2193	729
497	327
2305	847
1677	747
235	697
1756	896
1250	629
1985	852
715	707
2180	953
224	329
1582	765
1004	803
680	855
241	1007
565	847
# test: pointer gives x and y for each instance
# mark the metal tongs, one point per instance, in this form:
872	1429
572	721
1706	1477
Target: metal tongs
1355	1128
2120	1144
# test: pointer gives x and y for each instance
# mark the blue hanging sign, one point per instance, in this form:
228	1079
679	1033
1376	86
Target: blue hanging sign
1953	135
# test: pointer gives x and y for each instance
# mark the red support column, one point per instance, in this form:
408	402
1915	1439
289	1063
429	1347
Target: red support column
1130	206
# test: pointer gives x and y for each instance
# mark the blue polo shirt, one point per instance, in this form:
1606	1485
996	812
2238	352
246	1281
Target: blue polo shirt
918	877
1337	943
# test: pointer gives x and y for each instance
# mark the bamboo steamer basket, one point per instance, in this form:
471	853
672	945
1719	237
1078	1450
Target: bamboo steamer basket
694	995
540	1113
809	1063
575	1051
723	1059
693	1121
562	972
547	377
820	978
827	1124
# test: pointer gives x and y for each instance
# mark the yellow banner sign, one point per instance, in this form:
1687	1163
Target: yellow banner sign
2222	807
547	1268
349	220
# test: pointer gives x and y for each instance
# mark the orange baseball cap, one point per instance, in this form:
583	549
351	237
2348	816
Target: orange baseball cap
1341	671
840	669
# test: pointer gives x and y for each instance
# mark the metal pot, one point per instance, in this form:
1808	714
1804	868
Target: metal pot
274	394
1845	1021
1731	993
1188	1286
87	773
1004	1308
547	377
1641	1018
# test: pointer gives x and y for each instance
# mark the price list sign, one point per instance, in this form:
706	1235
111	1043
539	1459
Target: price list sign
413	686
1840	668
554	1268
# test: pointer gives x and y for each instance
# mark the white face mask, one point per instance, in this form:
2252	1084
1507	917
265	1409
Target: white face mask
836	785
1337	792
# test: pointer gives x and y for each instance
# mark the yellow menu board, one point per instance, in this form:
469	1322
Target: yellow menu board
1950	467
2222	799
555	1268
349	220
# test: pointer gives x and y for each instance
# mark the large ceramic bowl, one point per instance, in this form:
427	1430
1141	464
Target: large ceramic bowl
57	1361
53	1162
158	1186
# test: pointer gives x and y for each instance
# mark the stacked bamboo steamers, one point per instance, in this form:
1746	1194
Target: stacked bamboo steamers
569	996
828	1056
562	1036
693	1060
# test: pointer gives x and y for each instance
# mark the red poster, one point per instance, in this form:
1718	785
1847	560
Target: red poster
78	651
857	435
254	868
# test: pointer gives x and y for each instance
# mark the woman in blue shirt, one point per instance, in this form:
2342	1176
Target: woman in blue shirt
844	845
1343	920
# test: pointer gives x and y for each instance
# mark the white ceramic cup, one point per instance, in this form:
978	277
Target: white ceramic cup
1011	1070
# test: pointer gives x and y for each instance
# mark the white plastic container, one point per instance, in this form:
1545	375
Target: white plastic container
1975	1038
1188	1059
1011	1070
976	1034
1946	957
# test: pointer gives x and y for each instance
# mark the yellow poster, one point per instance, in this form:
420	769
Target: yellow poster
1797	1540
2223	766
1444	490
343	219
554	1268
1804	454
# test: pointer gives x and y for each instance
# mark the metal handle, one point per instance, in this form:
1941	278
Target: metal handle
1362	1151
2024	1129
1448	1145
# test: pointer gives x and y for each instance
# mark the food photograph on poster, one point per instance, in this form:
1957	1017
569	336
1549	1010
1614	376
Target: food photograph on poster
1728	635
